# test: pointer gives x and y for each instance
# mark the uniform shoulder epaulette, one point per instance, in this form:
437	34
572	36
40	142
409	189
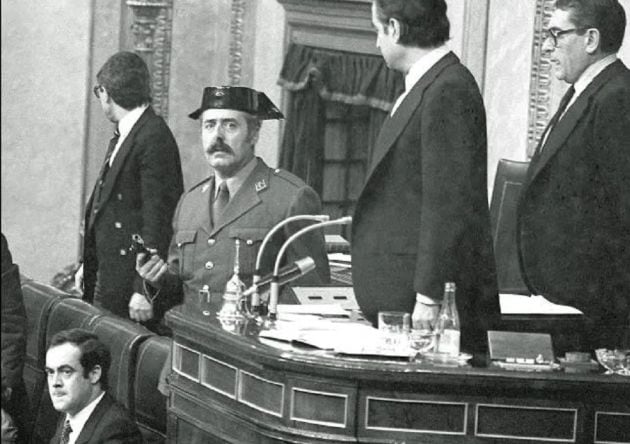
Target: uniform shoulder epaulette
289	177
206	180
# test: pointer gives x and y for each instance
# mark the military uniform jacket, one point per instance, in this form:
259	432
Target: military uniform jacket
422	218
574	212
139	195
202	252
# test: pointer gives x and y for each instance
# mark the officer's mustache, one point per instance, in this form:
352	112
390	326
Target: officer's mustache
220	146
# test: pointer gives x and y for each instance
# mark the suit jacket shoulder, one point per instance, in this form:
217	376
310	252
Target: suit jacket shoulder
110	422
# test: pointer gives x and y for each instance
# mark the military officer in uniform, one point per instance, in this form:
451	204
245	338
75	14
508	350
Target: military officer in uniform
243	200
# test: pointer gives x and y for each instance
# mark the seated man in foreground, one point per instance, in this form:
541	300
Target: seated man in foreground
77	363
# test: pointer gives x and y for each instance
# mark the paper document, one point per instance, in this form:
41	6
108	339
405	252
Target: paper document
535	304
333	310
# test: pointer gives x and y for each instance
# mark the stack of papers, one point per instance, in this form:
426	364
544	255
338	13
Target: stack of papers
340	336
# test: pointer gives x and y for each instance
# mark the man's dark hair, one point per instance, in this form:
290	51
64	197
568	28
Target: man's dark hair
126	78
607	16
93	351
424	22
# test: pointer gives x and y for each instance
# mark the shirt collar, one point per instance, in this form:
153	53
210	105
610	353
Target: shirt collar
235	182
77	422
423	65
126	123
591	72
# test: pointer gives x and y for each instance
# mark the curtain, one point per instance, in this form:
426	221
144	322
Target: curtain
313	76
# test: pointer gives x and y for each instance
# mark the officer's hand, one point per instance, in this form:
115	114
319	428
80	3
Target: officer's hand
151	270
78	279
139	308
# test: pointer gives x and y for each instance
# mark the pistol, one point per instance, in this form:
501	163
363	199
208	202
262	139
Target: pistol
137	246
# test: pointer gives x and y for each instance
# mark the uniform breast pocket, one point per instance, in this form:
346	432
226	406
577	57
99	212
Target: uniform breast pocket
185	241
250	241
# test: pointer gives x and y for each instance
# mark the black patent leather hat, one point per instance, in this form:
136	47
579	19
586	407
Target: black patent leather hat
239	98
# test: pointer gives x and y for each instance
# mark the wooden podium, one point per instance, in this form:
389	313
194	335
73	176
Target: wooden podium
229	385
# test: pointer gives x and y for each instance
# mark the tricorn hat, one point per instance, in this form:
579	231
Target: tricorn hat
239	98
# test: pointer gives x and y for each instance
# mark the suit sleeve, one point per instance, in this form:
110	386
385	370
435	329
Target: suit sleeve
611	149
161	186
13	321
311	243
453	152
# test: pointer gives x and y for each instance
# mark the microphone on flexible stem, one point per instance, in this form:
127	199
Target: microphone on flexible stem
255	302
286	274
275	284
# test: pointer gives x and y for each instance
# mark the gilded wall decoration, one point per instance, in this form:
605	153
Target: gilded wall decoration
541	80
236	41
152	26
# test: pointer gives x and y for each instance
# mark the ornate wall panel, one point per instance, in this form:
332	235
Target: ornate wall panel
151	28
541	79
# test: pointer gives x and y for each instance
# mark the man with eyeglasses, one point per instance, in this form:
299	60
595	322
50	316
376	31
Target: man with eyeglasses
136	192
574	212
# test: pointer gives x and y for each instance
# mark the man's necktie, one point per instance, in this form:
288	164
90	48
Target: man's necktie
65	433
220	201
559	113
101	175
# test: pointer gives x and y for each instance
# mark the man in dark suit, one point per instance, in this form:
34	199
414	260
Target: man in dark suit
136	191
77	363
243	200
574	211
422	218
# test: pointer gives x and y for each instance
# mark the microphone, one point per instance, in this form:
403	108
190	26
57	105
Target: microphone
275	286
255	302
287	274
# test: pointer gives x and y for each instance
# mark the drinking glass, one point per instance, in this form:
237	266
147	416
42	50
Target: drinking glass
394	327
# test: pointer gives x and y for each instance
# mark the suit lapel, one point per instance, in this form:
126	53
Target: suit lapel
123	152
394	125
89	428
565	126
245	199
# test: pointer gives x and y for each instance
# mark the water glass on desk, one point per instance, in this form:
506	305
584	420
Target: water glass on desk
394	327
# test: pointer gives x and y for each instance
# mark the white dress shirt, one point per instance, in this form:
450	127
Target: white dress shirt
124	128
419	69
77	422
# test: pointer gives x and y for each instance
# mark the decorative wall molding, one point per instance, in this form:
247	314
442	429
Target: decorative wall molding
342	25
540	81
152	26
238	10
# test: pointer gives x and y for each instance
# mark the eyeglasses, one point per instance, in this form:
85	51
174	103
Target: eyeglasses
97	91
555	33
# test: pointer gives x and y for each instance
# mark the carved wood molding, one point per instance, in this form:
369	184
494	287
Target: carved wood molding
342	25
238	10
152	30
540	80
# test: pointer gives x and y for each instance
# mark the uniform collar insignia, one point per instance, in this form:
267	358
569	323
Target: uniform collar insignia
260	185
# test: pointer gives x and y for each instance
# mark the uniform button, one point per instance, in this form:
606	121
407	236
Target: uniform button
123	252
209	265
118	225
249	242
119	196
96	211
100	182
211	241
277	170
